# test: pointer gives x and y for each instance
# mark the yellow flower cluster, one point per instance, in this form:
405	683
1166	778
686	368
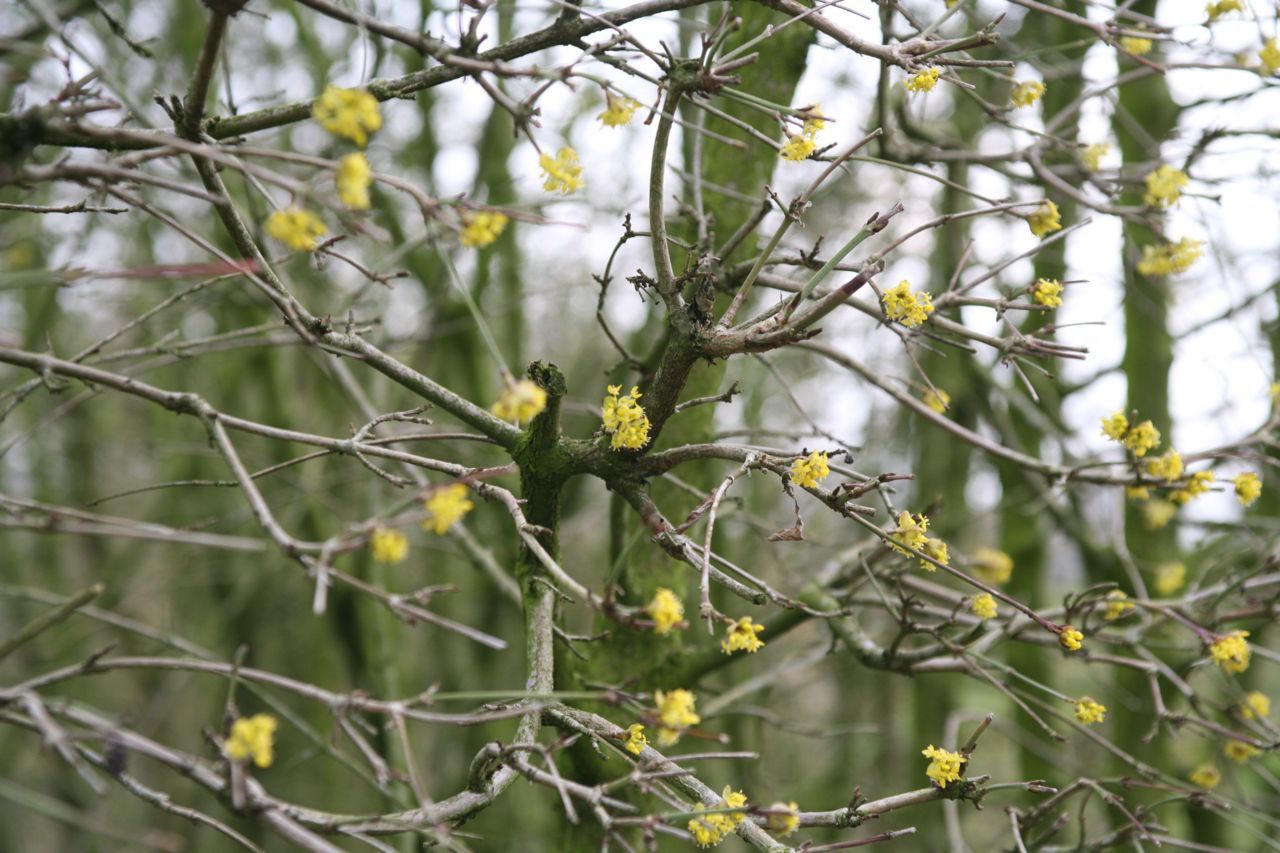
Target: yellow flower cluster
388	545
1231	651
482	228
1164	186
296	228
1091	156
665	610
676	712
937	399
1136	45
800	145
710	830
520	402
992	565
741	636
1045	219
1170	258
910	533
1048	292
1089	711
783	819
984	606
1205	776
252	737
1195	487
1217	8
924	81
1239	751
1071	639
810	470
1137	439
944	766
1118	604
625	420
446	507
1170	577
617	111
1026	93
903	306
1248	487
1255	705
636	741
1270	57
1157	513
353	179
1167	466
349	113
563	172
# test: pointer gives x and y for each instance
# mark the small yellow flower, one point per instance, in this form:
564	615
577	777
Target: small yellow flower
349	113
1270	57
353	179
1167	466
741	637
1137	493
1071	639
1248	487
909	533
1255	705
563	172
784	818
1048	292
1231	651
482	228
446	507
1164	186
706	831
1205	776
1115	426
388	545
1091	156
1143	437
624	419
618	111
676	712
1045	219
810	471
924	81
992	565
814	121
937	549
1118	604
937	399
797	147
1157	513
636	741
984	606
1170	577
296	228
1239	751
903	306
252	737
710	830
1170	258
1026	93
1196	486
665	610
1089	711
944	766
1219	8
520	402
1137	46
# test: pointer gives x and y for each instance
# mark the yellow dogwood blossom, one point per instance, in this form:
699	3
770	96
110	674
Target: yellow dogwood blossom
1091	156
741	636
797	147
353	179
1045	219
903	306
446	507
482	228
388	545
1143	437
349	113
563	172
636	740
992	565
1048	292
709	830
811	470
1071	639
1196	486
297	228
520	402
936	399
1239	751
676	712
1248	487
1136	45
1118	604
910	532
1164	186
1269	55
1026	93
1205	776
783	819
1089	711
944	765
984	606
624	419
252	737
1255	705
924	81
1167	466
1157	513
618	110
665	610
1115	426
1170	258
1169	578
1231	651
1217	8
